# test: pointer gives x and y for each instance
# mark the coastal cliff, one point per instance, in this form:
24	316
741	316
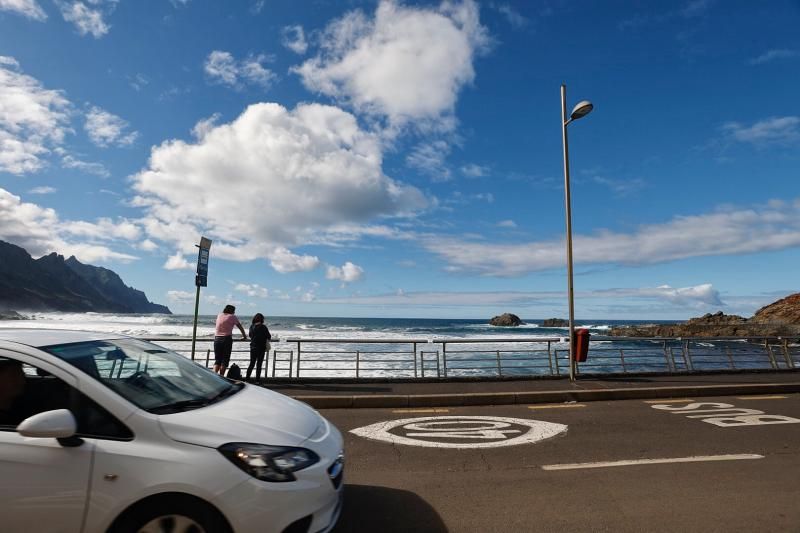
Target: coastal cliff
52	283
781	318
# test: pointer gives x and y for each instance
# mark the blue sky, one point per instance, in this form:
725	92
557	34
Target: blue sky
404	158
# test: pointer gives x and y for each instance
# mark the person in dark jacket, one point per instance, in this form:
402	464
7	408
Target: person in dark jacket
259	345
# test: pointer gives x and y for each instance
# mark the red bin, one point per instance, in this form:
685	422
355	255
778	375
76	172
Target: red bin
581	345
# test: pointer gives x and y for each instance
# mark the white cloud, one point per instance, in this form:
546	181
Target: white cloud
221	67
773	130
138	81
147	245
205	125
255	290
26	8
775	226
42	190
178	262
33	120
474	171
106	129
620	187
103	228
40	231
97	169
257	7
316	170
285	261
406	63
699	296
180	296
85	19
775	54
294	38
347	273
308	297
506	224
696	8
430	158
514	17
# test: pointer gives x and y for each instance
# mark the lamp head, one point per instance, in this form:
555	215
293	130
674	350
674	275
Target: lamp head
582	109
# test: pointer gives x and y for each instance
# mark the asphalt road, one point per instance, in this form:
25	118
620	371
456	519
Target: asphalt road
736	474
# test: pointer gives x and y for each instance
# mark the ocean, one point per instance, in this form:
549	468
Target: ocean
341	347
141	325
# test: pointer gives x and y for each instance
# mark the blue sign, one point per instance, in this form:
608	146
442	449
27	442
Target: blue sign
202	262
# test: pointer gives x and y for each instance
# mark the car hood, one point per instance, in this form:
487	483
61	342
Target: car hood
253	414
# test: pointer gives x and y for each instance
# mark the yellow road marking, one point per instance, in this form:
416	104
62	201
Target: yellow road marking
776	397
421	411
556	406
669	401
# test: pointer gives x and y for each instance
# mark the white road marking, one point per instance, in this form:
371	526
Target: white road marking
669	401
727	415
487	431
634	462
421	411
556	406
761	397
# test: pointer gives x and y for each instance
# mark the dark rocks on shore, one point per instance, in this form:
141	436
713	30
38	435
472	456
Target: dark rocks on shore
781	318
506	319
6	314
555	323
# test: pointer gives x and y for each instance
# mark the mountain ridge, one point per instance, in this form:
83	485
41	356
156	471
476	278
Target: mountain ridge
52	283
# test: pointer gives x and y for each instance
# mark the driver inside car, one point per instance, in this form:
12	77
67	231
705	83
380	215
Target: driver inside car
12	385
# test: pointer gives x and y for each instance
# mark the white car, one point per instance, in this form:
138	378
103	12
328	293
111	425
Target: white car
106	433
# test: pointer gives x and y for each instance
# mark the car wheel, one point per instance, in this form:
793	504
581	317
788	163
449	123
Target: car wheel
171	515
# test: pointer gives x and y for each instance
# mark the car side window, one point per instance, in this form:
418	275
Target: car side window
26	390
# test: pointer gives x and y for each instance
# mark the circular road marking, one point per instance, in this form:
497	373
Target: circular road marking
461	431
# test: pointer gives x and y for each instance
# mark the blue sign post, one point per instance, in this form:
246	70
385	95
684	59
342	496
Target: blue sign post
200	280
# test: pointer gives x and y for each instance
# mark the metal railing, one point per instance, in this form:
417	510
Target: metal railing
409	358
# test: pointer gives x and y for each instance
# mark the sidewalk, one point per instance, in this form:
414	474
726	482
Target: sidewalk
332	394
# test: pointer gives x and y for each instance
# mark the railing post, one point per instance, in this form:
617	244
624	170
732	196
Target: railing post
622	360
771	356
499	366
688	355
549	358
730	357
208	355
787	355
444	357
415	358
438	370
670	365
555	354
298	361
358	362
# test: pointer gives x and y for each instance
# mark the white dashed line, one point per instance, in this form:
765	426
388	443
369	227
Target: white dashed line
635	462
556	406
761	397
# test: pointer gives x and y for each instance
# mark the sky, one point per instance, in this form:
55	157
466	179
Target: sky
404	159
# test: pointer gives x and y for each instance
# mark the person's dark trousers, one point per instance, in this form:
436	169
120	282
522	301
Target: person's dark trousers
256	359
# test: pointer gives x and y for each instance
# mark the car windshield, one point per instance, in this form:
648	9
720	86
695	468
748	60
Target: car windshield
147	375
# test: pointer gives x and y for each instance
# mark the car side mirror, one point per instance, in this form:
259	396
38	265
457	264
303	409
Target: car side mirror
57	424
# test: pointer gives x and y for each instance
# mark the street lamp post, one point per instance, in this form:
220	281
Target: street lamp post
579	111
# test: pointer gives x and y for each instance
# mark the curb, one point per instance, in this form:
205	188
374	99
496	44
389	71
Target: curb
559	396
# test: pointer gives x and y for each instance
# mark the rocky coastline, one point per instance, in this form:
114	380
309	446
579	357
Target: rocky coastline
780	318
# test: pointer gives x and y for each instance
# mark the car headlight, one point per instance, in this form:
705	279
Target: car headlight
269	463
